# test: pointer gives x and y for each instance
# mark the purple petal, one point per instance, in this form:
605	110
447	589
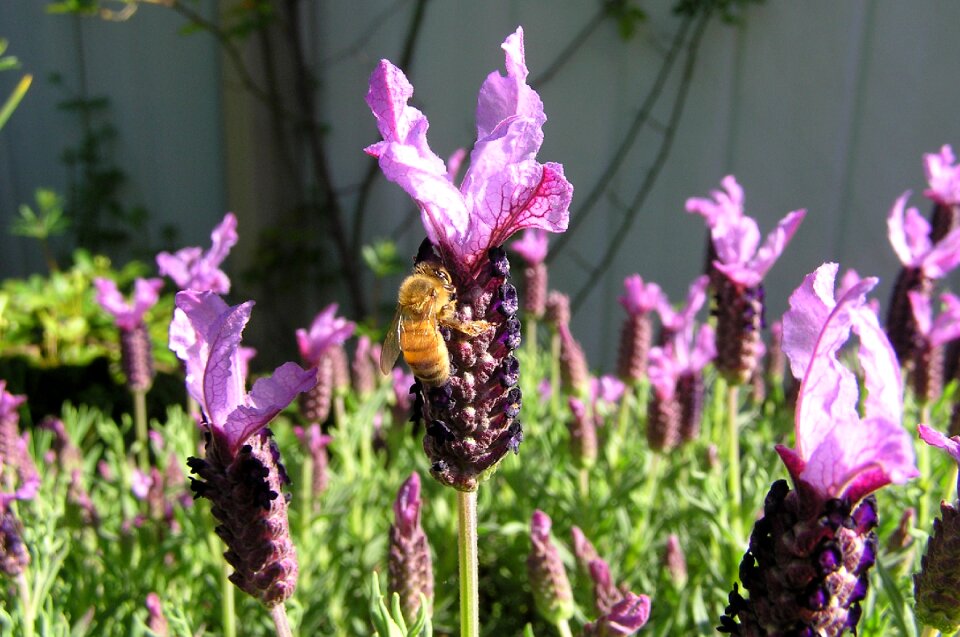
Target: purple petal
942	176
326	331
933	437
223	238
269	396
704	350
9	403
880	367
922	311
177	265
406	158
726	205
626	617
776	242
856	460
946	327
909	232
532	246
540	524
502	97
663	371
944	257
406	508
639	297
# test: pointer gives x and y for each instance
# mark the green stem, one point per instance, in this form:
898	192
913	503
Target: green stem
925	479
733	458
228	603
140	426
929	631
306	495
467	548
584	484
555	374
531	340
563	627
279	614
27	601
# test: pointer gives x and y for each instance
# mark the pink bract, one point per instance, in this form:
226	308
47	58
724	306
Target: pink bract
943	176
327	330
726	205
532	246
639	297
504	189
909	235
193	269
205	334
838	453
128	316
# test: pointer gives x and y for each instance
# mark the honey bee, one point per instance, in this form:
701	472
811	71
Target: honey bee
426	301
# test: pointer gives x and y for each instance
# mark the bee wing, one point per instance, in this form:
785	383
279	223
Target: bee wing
391	345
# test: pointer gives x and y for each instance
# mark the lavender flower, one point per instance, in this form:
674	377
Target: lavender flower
532	248
937	585
548	578
241	474
156	621
675	561
674	321
926	370
636	334
193	269
626	617
364	365
136	351
924	261
19	479
410	566
403	390
737	276
583	434
316	443
943	177
675	406
583	550
806	568
472	419
318	349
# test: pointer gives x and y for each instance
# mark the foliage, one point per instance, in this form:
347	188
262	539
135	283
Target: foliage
52	321
100	574
8	62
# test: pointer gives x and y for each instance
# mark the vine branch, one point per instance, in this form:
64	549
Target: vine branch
654	170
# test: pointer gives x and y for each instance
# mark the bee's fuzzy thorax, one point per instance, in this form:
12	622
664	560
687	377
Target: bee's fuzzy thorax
471	420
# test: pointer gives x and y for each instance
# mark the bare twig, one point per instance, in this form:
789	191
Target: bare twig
654	170
643	115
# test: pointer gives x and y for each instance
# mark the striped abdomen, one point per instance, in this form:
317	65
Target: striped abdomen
425	351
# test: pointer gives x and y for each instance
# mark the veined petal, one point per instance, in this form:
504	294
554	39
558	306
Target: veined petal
406	158
517	196
268	397
881	369
502	97
193	327
828	392
223	384
856	460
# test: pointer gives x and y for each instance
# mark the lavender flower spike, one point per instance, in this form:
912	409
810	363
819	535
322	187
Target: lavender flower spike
471	420
636	334
241	474
937	584
318	349
136	350
410	565
532	248
807	567
548	578
737	273
626	617
193	269
943	177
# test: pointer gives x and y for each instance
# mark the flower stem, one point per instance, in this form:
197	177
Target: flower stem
929	631
563	627
140	426
228	613
279	614
555	374
923	465
306	495
28	604
469	582
733	459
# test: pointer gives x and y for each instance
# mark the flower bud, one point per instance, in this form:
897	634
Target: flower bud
548	578
410	566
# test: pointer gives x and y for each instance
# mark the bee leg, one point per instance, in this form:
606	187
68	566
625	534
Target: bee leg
471	328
